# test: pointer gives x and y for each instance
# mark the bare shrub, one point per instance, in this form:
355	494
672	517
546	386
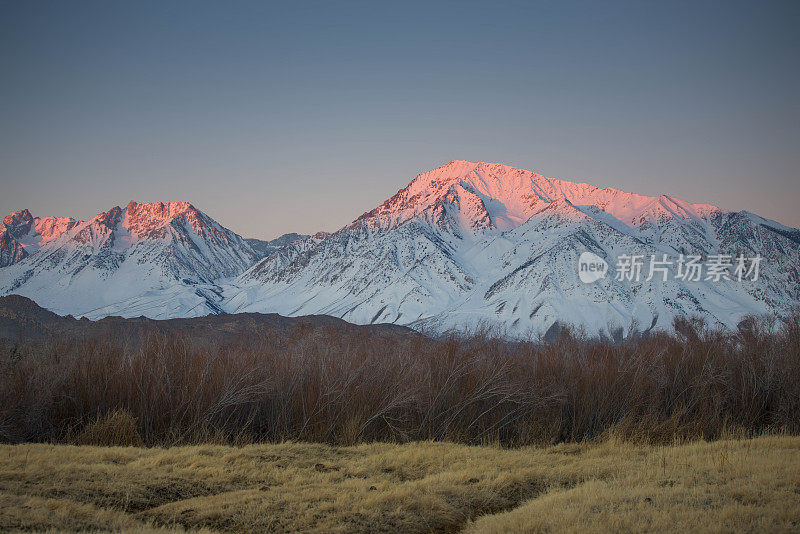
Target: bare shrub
345	386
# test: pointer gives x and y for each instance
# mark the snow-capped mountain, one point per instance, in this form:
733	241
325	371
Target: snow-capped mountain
464	245
21	234
478	243
160	260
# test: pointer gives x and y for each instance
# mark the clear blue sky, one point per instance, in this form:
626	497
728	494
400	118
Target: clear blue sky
299	116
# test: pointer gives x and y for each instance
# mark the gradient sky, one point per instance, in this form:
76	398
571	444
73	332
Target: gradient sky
300	116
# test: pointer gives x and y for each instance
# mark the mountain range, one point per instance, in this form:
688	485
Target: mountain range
463	246
160	260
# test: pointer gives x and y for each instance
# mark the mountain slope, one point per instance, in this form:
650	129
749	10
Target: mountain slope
159	260
478	243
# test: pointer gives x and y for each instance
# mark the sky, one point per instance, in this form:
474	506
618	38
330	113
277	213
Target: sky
277	117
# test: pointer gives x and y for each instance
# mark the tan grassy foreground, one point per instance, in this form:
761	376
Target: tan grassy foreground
731	485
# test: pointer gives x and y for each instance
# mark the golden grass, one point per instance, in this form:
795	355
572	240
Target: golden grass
729	485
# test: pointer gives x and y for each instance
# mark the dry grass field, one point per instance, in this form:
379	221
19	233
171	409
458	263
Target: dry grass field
611	485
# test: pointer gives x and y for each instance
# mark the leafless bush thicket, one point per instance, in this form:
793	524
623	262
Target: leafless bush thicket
320	384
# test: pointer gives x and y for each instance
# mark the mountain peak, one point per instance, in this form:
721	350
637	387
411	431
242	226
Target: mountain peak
21	234
506	196
159	210
148	219
17	219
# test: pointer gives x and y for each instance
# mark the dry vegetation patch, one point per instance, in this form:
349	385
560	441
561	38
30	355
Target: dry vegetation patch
725	486
404	433
749	484
344	387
